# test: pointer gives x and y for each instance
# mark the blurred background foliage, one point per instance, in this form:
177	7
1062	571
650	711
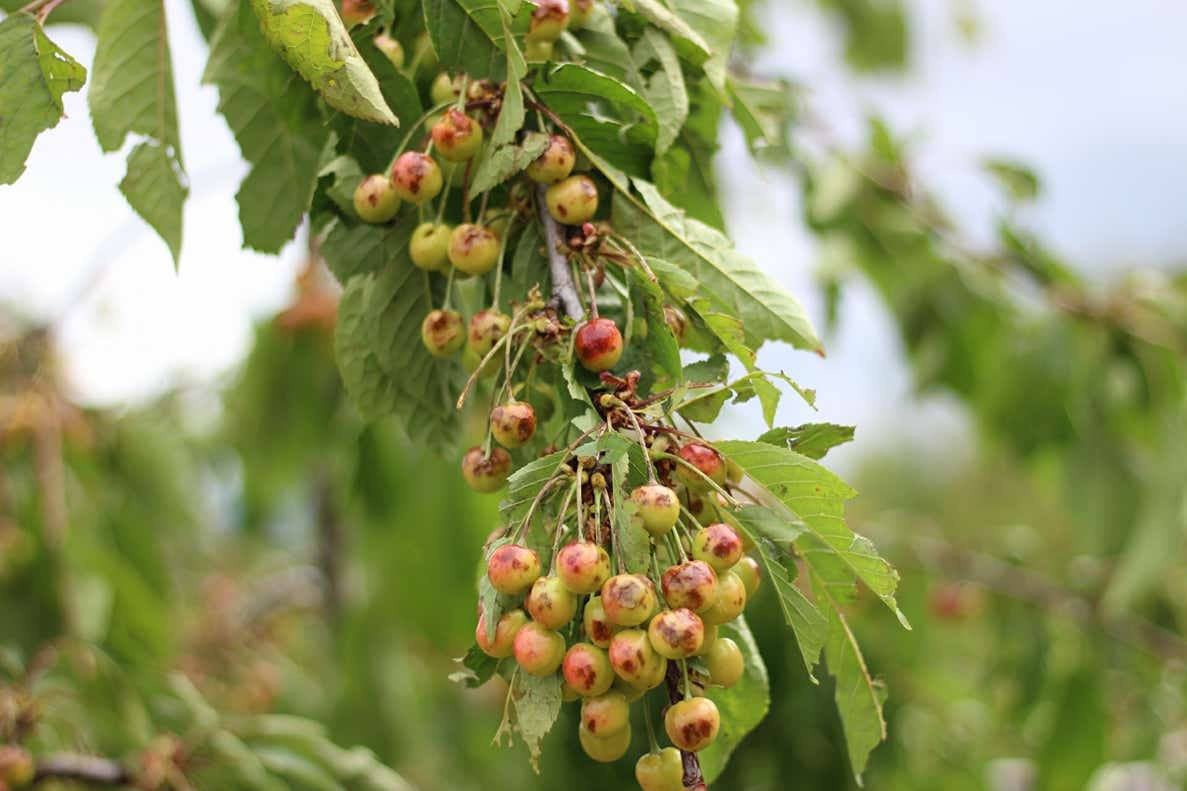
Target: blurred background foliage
255	575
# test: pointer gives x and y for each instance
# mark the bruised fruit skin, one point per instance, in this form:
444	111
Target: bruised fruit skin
443	332
503	643
16	766
549	20
483	473
725	662
445	88
416	177
587	670
692	724
605	714
429	247
692	585
750	573
474	249
375	199
598	345
676	634
357	12
598	630
512	568
658	507
731	600
705	459
513	424
392	48
633	657
629	599
660	771
583	567
538	650
555	164
604	749
653	675
487	327
573	200
719	545
550	604
457	136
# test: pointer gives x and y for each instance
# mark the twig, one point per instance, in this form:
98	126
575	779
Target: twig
694	778
83	768
564	291
331	537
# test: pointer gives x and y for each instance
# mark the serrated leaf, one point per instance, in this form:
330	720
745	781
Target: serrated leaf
503	163
511	113
764	110
731	282
156	189
34	74
634	545
743	706
477	668
716	21
665	19
665	90
468	36
660	344
357	248
525	483
370	389
344	174
273	114
537	705
813	440
310	36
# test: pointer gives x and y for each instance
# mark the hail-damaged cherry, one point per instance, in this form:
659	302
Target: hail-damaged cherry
446	87
357	12
676	634
750	573
513	424
443	332
598	345
573	200
605	714
375	199
507	627
586	668
583	567
549	20
598	630
629	599
555	164
550	603
731	600
579	11
658	507
487	327
692	724
692	585
390	47
633	657
705	459
725	662
457	136
539	651
474	249
429	247
416	177
512	568
719	545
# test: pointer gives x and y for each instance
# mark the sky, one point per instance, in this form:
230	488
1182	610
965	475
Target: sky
1091	95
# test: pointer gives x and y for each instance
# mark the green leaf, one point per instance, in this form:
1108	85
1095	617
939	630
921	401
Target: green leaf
813	440
631	537
274	117
665	90
764	110
477	668
344	174
311	38
525	483
503	163
1019	182
537	705
743	706
34	74
511	114
569	88
604	48
131	93
468	36
357	248
370	388
665	19
716	21
730	281
660	344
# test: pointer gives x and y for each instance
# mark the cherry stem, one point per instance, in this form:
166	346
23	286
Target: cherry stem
642	442
564	292
650	728
694	778
729	497
593	292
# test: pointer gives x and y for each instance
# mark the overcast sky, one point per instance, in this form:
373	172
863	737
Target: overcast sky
1092	94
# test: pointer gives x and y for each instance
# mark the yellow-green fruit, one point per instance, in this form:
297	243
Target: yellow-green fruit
676	634
731	600
703	458
456	136
692	584
709	641
16	766
628	599
375	199
587	670
572	201
445	88
653	675
583	566
429	247
416	177
512	568
539	651
661	771
657	507
605	714
725	662
486	473
550	604
474	249
487	327
423	52
549	20
538	50
513	424
751	575
631	692
598	629
633	657
719	545
604	749
443	332
503	643
692	724
555	164
568	694
392	48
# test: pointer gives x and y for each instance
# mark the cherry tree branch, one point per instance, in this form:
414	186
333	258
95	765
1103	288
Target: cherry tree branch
694	778
564	290
82	768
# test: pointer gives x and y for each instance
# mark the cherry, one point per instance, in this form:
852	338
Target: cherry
598	630
443	332
549	20
568	694
429	247
703	506
555	164
692	585
709	641
629	599
550	604
598	345
633	657
446	88
474	249
660	771
457	136
537	50
392	48
16	766
486	328
512	568
692	724
587	670
725	662
718	545
416	177
658	508
605	714
734	472
538	650
579	11
604	749
631	691
677	322
583	566
503	643
705	459
731	600
750	573
572	201
676	634
357	12
513	424
375	199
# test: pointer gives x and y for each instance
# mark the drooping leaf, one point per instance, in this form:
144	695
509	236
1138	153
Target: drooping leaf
468	36
370	388
537	705
157	189
34	73
665	90
525	483
511	114
742	706
813	440
503	163
357	248
764	109
477	668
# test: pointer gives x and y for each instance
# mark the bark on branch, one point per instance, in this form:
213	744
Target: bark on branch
82	768
564	290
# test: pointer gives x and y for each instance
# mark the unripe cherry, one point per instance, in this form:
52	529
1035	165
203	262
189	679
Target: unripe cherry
503	643
633	657
513	424
598	345
512	568
583	567
550	604
392	48
692	584
605	714
750	573
568	694
357	12
446	88
573	200
598	630
587	670
416	177
429	246
710	639
457	136
725	662
487	327
676	634
537	50
604	749
549	20
579	11
734	472
443	332
375	199
653	675
538	650
719	545
629	599
658	507
474	249
731	600
484	473
555	164
692	724
660	771
703	506
705	459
